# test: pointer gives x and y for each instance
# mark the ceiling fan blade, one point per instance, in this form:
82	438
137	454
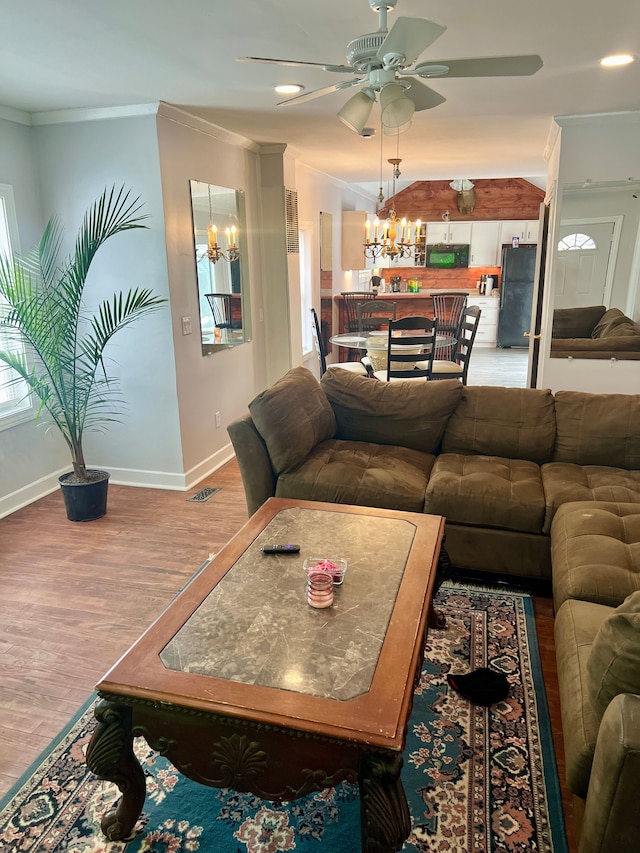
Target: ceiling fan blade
317	93
408	37
489	66
293	63
422	96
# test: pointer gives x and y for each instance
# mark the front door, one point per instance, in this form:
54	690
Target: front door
586	259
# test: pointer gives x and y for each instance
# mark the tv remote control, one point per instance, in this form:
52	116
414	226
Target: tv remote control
280	549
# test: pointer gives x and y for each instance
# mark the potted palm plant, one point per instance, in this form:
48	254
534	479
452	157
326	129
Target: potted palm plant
61	348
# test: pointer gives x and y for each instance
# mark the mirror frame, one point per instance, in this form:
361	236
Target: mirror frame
233	214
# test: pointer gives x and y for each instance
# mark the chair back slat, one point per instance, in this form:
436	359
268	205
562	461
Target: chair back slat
417	334
448	307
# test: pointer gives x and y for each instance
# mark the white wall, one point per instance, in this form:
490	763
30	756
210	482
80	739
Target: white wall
78	159
28	452
225	381
598	148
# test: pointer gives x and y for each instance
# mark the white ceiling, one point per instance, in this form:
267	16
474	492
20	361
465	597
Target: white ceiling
62	54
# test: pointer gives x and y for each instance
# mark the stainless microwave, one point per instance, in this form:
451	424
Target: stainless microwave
447	256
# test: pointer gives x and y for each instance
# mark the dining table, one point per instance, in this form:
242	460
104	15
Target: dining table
375	344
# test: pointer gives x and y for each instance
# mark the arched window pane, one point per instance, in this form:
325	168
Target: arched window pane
576	241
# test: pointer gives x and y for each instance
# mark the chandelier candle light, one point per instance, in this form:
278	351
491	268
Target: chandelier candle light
386	233
214	251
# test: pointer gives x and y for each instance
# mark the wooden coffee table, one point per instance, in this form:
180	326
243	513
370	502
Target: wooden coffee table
242	685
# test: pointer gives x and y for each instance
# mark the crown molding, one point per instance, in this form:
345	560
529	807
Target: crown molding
93	114
17	116
202	125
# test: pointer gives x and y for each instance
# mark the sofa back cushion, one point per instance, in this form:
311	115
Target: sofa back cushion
292	417
406	414
614	323
613	665
598	429
576	322
517	423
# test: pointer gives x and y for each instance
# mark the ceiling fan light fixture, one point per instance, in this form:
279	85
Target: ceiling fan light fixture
395	131
356	111
614	61
288	88
396	108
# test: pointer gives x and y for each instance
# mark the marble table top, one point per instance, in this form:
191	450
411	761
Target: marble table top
255	626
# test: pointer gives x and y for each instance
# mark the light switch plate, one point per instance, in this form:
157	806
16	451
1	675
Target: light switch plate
186	326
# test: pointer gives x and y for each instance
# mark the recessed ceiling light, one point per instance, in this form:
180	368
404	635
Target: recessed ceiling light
289	89
617	59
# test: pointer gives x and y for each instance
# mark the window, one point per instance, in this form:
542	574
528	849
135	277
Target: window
15	402
576	241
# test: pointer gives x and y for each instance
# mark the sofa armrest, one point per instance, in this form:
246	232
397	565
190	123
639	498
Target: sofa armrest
611	817
258	476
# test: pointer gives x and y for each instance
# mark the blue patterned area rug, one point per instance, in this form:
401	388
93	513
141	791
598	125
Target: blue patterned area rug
477	780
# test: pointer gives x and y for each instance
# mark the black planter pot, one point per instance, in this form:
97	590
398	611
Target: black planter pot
85	501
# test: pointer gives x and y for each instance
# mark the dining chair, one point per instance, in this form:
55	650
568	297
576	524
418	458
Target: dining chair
458	368
374	315
411	347
221	308
448	307
352	298
321	352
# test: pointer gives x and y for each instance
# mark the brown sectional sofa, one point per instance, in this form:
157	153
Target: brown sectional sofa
532	484
594	332
496	462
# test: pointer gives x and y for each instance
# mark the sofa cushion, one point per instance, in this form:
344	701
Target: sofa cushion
598	429
516	423
595	551
614	661
564	483
292	416
613	323
361	473
412	414
486	491
576	625
576	322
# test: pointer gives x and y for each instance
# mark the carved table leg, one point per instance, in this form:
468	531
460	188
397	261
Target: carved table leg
110	756
384	813
436	618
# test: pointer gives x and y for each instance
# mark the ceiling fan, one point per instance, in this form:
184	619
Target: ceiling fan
383	63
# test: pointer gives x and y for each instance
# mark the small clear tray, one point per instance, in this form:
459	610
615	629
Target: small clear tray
325	564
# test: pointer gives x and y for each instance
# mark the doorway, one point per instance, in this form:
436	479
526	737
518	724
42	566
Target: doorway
587	251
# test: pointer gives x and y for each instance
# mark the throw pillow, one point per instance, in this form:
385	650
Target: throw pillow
293	416
409	414
613	665
608	322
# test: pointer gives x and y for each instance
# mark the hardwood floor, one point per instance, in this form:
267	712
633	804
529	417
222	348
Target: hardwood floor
74	597
492	366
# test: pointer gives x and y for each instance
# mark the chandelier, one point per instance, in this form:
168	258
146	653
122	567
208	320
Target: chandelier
391	238
215	252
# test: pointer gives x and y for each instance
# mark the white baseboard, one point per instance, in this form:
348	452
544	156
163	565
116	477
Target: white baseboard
120	477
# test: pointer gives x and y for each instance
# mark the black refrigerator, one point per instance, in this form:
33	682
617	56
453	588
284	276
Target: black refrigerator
516	295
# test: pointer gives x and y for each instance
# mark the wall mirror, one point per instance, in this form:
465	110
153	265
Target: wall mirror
219	230
596	260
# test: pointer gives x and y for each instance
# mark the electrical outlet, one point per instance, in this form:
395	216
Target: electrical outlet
217	419
186	326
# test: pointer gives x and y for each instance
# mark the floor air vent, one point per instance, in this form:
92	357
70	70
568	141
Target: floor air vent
203	495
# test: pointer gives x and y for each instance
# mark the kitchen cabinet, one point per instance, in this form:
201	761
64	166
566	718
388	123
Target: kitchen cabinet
525	230
448	232
487	334
485	244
